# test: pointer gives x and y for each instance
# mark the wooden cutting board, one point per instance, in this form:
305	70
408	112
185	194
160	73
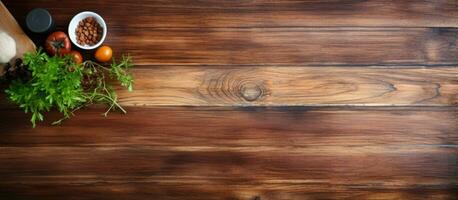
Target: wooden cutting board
9	25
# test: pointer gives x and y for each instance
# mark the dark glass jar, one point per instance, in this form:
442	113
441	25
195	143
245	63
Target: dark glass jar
39	20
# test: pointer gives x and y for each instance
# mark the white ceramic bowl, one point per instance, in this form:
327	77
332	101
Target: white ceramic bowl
74	24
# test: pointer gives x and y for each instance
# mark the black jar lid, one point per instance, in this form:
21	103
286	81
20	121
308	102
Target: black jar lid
39	20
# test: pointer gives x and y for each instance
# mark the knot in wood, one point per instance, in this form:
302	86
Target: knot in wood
251	91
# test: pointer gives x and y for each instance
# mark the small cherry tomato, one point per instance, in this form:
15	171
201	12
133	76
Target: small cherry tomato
104	54
77	57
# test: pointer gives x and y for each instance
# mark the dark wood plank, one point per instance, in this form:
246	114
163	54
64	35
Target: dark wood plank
234	153
108	172
199	44
260	13
434	166
287	46
145	189
215	127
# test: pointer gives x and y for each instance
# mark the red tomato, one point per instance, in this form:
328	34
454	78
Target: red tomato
58	43
77	57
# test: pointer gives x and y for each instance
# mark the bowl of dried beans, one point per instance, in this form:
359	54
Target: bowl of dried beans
87	30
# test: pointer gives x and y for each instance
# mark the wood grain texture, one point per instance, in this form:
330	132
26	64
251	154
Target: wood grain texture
287	46
241	153
378	79
280	86
259	13
288	86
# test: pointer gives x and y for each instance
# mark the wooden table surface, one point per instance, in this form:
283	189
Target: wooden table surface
254	100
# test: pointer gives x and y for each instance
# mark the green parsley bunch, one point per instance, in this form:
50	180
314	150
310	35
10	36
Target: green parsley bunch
58	82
